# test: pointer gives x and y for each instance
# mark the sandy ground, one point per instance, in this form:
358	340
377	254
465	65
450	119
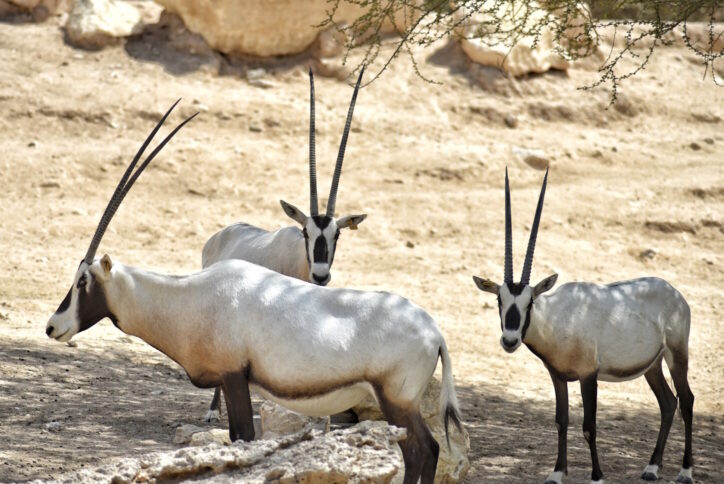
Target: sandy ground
425	161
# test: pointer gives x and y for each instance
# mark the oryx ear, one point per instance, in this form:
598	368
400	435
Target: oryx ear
545	285
294	213
350	221
486	285
106	265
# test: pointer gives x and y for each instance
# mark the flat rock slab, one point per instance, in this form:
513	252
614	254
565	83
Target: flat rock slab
367	452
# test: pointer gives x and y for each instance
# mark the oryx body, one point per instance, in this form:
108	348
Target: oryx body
304	252
236	324
590	332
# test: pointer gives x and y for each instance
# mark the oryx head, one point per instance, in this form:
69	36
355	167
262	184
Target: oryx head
86	304
516	299
322	231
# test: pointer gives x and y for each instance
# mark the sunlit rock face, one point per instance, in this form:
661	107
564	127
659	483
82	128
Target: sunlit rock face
263	27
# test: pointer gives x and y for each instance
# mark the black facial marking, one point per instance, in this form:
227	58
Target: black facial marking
65	302
320	249
321	221
512	318
92	305
527	321
515	288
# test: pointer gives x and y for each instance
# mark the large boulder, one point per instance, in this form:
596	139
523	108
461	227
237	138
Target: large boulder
486	48
453	463
94	24
264	27
365	453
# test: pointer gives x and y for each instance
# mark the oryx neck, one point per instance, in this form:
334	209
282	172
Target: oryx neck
148	306
540	332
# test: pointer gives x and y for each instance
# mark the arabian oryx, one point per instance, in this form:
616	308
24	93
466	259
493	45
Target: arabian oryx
590	332
305	253
235	324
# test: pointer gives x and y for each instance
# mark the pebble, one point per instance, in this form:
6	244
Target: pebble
511	120
695	146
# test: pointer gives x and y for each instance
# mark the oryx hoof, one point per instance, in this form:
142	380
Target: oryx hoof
212	416
651	473
685	476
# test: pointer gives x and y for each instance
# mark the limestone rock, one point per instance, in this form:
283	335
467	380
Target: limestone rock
39	9
453	463
213	436
523	58
534	158
184	433
94	24
266	27
365	453
277	420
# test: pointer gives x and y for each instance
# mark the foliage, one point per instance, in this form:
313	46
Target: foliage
639	27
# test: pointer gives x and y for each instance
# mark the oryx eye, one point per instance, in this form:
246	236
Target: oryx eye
82	281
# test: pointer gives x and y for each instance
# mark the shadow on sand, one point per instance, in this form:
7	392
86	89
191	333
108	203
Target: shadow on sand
118	402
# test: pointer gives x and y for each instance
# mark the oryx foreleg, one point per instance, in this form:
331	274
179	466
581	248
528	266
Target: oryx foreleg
561	388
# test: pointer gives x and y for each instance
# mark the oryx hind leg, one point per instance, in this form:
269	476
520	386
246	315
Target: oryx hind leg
667	405
678	363
238	406
213	415
419	448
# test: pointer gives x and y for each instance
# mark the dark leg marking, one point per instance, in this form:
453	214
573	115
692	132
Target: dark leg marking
667	405
589	394
561	387
216	400
686	404
238	405
419	449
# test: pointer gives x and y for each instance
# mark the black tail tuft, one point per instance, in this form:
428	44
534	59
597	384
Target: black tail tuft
451	413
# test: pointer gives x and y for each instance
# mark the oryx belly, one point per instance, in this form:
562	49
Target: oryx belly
329	403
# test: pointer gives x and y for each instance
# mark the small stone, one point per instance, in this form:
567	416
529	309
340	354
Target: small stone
647	254
53	426
271	123
213	436
695	146
709	141
157	392
409	245
255	128
511	121
32	144
94	24
534	158
185	432
50	185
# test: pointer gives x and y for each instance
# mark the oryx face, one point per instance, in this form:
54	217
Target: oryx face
84	305
514	303
320	239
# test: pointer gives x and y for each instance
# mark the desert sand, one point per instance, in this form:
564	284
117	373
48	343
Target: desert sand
635	189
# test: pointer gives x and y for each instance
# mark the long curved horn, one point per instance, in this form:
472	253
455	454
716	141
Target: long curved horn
125	184
313	204
340	156
525	277
508	279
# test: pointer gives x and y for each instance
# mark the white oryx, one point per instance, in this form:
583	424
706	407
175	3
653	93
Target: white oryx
312	349
305	253
590	332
